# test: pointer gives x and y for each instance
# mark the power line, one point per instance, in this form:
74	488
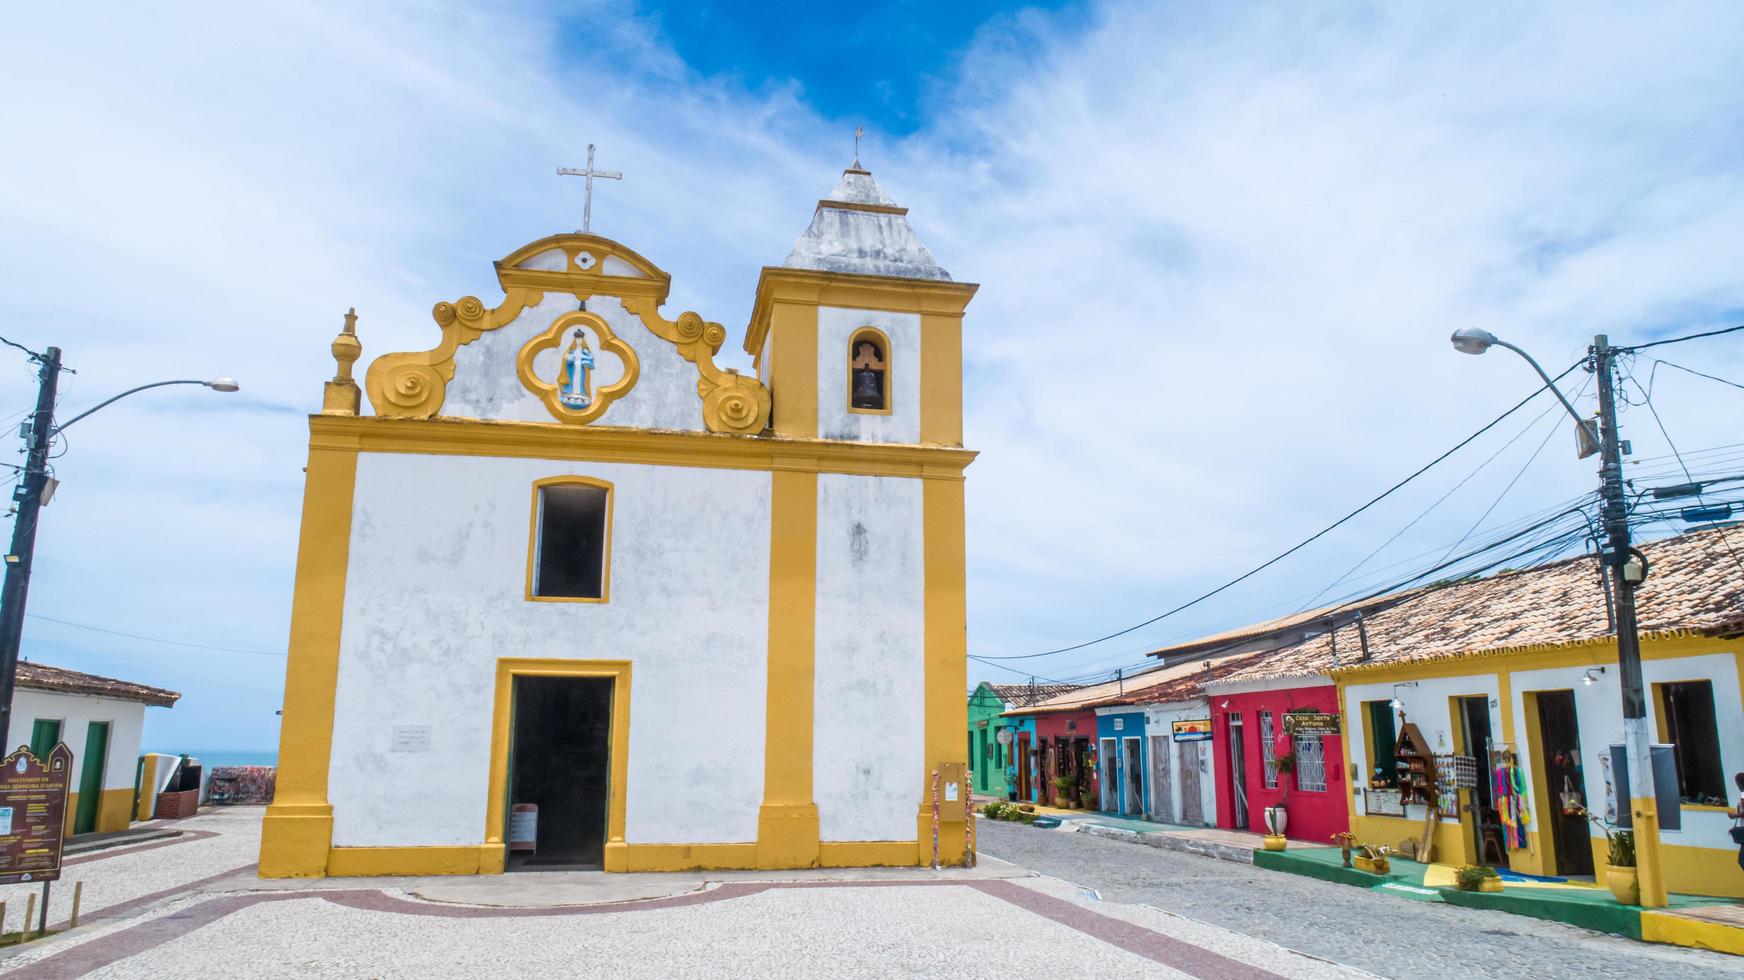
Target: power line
1308	540
33	354
1647	399
1693	371
1679	340
154	639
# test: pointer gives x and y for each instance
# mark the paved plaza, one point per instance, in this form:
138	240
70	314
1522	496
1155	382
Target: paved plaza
192	906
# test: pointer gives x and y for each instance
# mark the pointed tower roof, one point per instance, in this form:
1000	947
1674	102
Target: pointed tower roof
859	229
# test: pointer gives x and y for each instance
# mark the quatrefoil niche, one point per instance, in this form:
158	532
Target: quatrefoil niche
591	367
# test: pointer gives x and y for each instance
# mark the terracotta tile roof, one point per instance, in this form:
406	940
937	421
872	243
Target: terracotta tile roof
1021	695
1157	685
1284	624
1695	586
42	677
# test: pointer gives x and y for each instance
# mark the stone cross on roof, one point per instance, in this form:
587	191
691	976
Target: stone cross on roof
590	173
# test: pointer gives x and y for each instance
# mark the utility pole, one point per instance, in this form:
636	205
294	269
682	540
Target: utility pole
1624	577
18	559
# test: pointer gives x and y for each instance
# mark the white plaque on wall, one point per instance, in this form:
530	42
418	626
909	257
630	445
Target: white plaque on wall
410	738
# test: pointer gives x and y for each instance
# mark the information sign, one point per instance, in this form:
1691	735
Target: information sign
33	812
1384	803
1197	730
1310	723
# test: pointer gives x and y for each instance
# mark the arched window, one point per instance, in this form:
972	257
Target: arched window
869	372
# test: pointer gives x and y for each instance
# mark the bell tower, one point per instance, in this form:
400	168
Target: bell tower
858	334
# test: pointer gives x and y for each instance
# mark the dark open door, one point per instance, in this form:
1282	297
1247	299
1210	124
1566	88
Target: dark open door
560	762
1559	733
1238	770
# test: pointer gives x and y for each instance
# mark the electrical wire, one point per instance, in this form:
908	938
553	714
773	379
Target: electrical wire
33	354
154	639
1679	340
1647	399
1698	374
1308	540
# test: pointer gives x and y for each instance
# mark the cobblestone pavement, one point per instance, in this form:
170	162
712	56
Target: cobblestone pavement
189	909
1391	937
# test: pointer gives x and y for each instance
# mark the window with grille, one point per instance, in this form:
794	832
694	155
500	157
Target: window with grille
1268	751
1310	764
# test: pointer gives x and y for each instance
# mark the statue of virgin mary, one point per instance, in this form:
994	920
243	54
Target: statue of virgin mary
574	381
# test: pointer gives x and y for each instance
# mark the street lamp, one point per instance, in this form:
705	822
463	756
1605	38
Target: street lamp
1474	340
1626	574
30	500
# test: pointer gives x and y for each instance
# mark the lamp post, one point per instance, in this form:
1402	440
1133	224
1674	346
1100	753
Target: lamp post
30	498
1627	571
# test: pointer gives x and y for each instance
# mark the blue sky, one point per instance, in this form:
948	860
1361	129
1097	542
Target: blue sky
1220	251
888	65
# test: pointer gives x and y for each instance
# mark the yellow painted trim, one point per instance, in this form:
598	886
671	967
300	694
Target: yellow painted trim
496	803
298	829
147	789
552	337
731	402
415	384
869	854
1537	859
533	520
787	822
814	288
941	379
1703	808
596	443
946	664
882	339
357	862
1598	651
1664	927
115	810
688	857
70	814
793	378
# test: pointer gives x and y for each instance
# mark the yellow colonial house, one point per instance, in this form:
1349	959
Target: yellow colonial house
568	590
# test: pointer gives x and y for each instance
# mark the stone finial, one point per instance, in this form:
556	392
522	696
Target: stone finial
343	396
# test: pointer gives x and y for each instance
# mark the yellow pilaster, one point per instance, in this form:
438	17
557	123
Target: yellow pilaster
1649	870
793	382
298	829
947	713
941	378
787	823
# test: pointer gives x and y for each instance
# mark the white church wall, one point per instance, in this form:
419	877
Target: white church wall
835	326
435	595
487	386
868	750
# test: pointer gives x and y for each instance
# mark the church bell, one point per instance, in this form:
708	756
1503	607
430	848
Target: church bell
868	389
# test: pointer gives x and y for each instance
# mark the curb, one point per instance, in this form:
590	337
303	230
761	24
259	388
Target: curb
1169	842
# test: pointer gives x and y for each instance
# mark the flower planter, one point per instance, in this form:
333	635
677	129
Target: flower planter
1624	884
1276	842
1490	885
1374	866
1277	820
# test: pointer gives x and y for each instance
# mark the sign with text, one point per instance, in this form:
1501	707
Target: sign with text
1384	803
1310	723
33	795
1197	730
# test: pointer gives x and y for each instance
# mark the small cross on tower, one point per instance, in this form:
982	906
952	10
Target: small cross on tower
859	131
590	173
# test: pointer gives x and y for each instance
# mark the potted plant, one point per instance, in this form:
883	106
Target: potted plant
1277	816
1086	799
1063	791
1345	842
1477	878
1620	875
1373	858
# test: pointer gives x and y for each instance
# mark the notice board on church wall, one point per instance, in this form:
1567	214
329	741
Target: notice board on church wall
33	814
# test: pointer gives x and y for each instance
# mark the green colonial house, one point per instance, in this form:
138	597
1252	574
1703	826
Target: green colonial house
987	757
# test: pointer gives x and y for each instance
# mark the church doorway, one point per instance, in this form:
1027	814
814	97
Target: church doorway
560	764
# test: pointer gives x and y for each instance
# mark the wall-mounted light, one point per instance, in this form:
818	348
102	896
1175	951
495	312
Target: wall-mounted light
1396	703
1225	704
1589	680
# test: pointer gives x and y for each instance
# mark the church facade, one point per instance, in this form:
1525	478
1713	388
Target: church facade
569	594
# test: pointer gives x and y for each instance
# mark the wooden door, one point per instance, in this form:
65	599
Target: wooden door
1192	809
91	777
1162	789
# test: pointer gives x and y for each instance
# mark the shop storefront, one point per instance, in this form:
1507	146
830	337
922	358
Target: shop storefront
1258	721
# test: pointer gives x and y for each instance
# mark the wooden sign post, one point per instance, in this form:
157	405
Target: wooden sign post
33	819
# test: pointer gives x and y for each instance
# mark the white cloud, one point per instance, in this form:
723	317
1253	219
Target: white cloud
1220	255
